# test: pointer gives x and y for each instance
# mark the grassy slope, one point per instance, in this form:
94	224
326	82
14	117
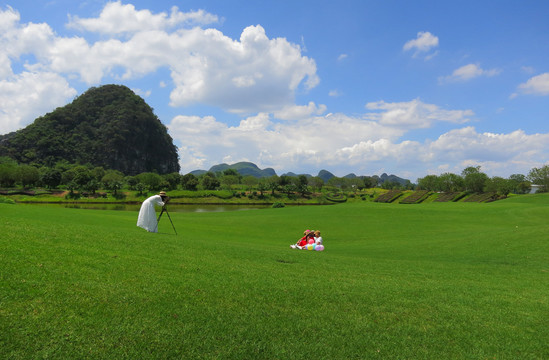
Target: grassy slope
431	281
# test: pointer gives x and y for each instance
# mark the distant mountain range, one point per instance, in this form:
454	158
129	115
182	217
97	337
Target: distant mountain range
248	168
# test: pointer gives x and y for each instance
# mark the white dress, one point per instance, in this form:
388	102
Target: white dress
147	213
318	240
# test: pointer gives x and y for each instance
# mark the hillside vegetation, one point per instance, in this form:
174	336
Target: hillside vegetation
108	126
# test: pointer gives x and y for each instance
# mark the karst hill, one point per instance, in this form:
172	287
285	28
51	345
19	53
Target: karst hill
107	126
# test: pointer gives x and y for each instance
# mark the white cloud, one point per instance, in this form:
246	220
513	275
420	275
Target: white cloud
335	93
503	153
415	114
537	85
468	72
423	43
142	93
342	57
313	140
366	144
116	18
252	74
270	143
296	112
27	96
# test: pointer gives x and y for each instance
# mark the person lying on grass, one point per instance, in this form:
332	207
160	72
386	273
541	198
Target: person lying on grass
147	214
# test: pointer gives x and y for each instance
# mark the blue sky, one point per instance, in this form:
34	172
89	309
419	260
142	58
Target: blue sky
365	87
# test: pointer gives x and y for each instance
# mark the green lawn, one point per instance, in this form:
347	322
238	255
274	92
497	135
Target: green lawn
427	281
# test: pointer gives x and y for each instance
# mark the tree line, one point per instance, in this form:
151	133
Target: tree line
475	181
90	179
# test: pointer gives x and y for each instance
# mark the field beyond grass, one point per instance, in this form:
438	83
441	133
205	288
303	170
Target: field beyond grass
434	281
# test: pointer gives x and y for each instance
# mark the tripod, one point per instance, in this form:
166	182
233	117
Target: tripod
169	217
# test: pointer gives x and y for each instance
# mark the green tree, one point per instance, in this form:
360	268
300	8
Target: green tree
132	182
28	175
449	182
173	179
391	185
92	185
262	185
8	174
337	182
250	181
51	178
189	182
273	183
97	173
540	176
151	181
498	184
231	172
289	188
429	182
369	182
301	184
519	183
78	174
209	181
316	183
229	180
113	180
355	183
474	179
284	180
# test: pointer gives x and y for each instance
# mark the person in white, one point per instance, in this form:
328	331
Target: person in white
318	238
147	214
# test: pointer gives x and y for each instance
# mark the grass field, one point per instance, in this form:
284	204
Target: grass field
428	281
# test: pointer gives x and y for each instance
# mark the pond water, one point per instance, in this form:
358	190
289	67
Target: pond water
171	207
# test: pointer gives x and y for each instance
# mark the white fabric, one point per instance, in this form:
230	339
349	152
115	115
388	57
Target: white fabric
318	240
147	213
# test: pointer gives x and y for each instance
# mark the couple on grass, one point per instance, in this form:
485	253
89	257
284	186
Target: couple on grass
309	237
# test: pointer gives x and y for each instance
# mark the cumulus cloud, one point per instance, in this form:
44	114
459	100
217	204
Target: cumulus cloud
494	152
422	44
304	138
269	142
254	73
117	18
296	112
468	72
537	85
28	95
415	114
368	143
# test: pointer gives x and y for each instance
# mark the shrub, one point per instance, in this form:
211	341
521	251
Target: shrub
5	200
73	195
335	197
278	205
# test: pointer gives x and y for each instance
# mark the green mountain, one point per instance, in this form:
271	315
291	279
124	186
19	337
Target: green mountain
325	175
248	168
392	178
244	168
107	126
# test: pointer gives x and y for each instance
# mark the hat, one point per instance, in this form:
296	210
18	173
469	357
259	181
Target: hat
162	193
